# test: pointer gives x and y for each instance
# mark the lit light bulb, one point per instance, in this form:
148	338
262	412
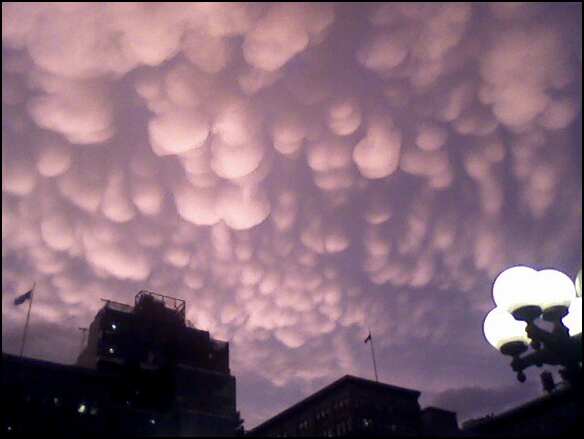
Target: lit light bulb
554	288
573	321
500	329
514	288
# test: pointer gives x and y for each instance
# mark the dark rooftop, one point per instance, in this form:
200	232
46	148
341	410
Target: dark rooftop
335	385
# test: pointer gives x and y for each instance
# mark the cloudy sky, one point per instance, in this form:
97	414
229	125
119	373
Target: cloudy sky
297	173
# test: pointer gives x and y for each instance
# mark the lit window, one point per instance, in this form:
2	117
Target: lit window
56	400
111	350
82	408
9	428
93	411
114	327
152	421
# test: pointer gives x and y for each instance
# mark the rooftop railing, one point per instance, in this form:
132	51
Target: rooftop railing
172	303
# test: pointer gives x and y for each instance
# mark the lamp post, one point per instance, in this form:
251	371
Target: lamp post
525	298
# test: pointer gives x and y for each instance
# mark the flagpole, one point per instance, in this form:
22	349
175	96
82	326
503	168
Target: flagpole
373	356
27	320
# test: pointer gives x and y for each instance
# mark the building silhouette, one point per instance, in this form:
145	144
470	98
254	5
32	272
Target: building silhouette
144	371
555	414
353	406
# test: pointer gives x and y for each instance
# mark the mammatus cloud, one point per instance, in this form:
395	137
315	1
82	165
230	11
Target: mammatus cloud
298	173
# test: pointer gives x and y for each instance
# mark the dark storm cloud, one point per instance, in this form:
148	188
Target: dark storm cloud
297	172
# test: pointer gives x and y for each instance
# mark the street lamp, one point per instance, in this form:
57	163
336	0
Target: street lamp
525	298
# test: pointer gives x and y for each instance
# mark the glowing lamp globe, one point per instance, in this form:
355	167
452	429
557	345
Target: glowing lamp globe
505	333
578	284
573	321
555	291
513	291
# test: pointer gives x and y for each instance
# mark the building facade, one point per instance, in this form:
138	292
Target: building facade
353	406
144	371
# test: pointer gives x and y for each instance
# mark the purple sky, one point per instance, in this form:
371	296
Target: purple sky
297	173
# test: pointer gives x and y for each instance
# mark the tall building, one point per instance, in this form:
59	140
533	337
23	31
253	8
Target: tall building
144	371
353	406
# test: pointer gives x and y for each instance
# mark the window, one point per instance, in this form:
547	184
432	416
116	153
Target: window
152	421
111	350
82	408
114	326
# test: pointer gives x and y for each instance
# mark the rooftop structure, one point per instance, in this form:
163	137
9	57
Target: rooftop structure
144	371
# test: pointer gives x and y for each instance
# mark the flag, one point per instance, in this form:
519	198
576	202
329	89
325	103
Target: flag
368	337
21	299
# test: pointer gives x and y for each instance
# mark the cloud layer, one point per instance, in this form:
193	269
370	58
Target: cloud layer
296	172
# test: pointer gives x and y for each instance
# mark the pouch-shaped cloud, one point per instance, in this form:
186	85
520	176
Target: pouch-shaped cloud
335	180
178	257
428	164
122	260
290	337
66	41
149	34
288	133
232	162
18	177
177	132
328	155
185	86
519	104
312	235
521	67
283	32
57	232
196	205
210	54
336	240
147	196
559	114
377	155
80	110
344	117
431	136
237	123
53	156
222	19
243	208
115	204
285	211
83	192
383	52
252	80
